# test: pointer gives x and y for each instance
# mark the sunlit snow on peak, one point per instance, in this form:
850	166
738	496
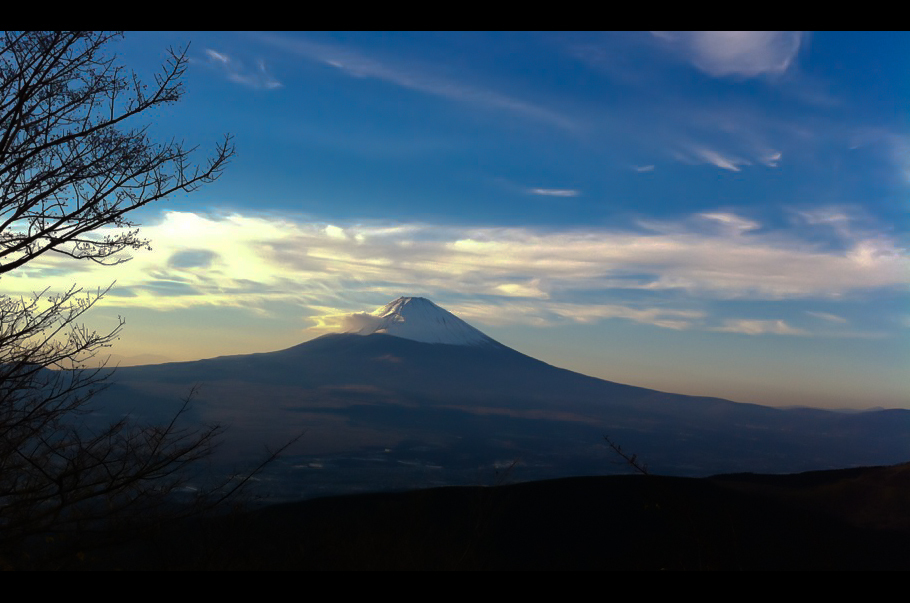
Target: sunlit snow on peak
419	319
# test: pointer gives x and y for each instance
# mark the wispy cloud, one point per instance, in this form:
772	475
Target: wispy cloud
700	154
530	288
828	316
732	136
731	222
236	71
673	114
660	111
843	225
248	262
771	158
413	76
667	318
736	53
838	218
507	312
758	327
217	56
554	192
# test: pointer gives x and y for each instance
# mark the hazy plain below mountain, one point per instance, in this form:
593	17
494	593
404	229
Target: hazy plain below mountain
413	396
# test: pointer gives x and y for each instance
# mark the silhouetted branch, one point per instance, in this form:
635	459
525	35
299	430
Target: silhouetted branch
631	460
72	161
66	169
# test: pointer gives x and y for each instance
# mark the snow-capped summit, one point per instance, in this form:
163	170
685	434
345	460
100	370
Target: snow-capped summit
419	319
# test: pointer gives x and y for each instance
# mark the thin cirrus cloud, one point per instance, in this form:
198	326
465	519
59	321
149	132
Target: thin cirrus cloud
501	312
418	77
828	317
731	131
697	154
725	160
736	53
555	192
238	72
731	222
251	261
758	327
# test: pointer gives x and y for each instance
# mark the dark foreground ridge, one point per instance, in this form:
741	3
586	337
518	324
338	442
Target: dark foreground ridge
842	519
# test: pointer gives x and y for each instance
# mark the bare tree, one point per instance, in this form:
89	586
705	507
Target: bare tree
66	166
72	161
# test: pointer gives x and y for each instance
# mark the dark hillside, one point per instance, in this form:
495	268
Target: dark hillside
754	522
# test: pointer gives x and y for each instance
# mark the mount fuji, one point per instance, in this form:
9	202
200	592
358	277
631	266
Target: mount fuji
419	319
411	395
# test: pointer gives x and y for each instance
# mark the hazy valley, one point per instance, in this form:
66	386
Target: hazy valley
380	411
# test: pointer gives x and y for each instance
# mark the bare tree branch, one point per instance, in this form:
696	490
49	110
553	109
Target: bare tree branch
66	169
630	459
72	162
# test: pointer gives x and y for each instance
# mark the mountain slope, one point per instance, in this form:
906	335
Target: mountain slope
450	408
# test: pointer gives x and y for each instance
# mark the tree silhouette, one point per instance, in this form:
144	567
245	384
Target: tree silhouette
73	160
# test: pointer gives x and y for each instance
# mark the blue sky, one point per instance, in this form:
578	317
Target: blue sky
720	213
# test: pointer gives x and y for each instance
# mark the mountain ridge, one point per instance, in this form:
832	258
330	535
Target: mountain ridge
388	406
